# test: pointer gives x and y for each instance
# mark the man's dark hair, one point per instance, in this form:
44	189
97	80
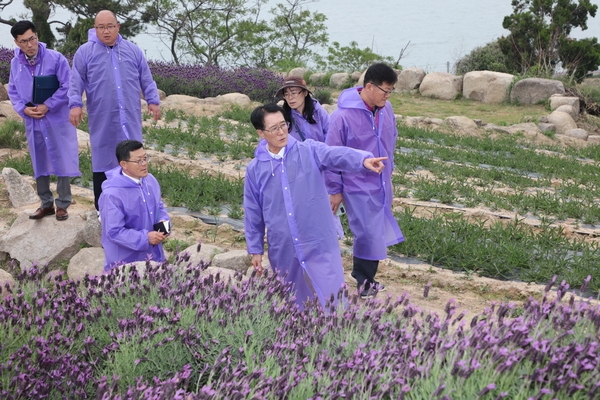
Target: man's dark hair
21	27
258	115
379	74
125	148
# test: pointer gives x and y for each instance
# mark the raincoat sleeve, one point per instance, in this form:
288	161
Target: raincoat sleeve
254	223
336	135
77	82
114	220
13	94
63	73
147	83
323	120
339	158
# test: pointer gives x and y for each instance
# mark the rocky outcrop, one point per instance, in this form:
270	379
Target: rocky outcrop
88	261
339	80
20	193
535	90
236	259
410	79
557	100
487	86
3	93
562	121
441	85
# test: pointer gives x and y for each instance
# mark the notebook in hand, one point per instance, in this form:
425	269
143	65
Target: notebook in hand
163	226
44	87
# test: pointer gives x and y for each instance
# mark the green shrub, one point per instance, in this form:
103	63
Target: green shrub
483	58
12	134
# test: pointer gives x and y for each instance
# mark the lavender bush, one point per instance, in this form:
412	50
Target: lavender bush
173	332
5	56
210	81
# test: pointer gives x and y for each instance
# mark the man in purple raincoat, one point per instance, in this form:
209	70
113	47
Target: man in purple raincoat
365	120
52	141
285	194
111	71
130	206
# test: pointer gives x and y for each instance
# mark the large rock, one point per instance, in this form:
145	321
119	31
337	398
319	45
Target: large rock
5	279
440	85
574	113
92	230
535	90
578	133
462	123
339	80
20	193
88	261
43	241
83	140
3	93
487	86
317	79
562	121
7	110
238	260
206	253
239	99
557	100
299	71
410	79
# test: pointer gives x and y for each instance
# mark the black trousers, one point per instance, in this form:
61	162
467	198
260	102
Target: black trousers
364	272
98	178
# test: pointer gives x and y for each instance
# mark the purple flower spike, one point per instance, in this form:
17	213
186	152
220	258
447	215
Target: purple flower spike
426	291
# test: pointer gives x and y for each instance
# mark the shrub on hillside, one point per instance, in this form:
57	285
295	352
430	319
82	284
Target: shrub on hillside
483	58
211	81
5	56
173	331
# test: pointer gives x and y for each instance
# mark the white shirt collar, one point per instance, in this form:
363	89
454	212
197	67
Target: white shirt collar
137	181
278	155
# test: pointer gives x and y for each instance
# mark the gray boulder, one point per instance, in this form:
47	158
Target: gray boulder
594	139
487	86
339	80
206	254
547	128
3	93
577	133
92	230
20	193
88	261
535	90
558	100
5	279
562	121
410	79
440	85
239	99
461	122
299	71
238	260
317	79
43	241
7	110
574	113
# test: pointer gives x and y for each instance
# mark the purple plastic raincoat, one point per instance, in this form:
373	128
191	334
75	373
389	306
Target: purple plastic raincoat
53	146
316	131
288	198
111	79
128	212
367	197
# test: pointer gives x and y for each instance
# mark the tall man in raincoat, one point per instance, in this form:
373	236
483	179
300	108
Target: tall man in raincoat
130	206
111	71
365	120
285	194
52	141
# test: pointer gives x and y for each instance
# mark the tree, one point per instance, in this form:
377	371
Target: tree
539	36
351	58
484	58
41	10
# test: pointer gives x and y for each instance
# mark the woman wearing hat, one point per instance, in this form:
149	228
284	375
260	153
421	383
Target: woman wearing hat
308	119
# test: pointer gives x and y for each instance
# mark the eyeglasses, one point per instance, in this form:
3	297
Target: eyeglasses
292	93
141	161
31	40
103	28
284	126
387	92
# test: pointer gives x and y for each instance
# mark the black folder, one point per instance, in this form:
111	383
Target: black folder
44	87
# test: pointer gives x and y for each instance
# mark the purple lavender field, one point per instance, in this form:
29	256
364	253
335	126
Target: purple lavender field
173	332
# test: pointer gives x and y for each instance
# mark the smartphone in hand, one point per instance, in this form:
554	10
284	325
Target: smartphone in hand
30	104
341	210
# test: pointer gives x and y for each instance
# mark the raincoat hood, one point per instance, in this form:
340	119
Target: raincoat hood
115	178
350	98
20	54
92	37
262	153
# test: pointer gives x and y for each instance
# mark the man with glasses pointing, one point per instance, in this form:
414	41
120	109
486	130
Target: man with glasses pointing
51	140
111	71
131	209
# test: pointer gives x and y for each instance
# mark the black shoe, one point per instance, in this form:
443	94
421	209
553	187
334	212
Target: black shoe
379	286
368	293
